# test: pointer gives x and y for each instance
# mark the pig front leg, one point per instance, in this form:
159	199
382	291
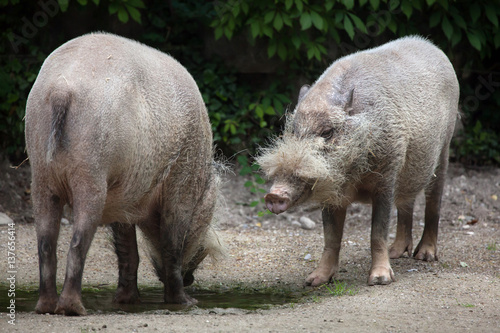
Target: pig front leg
333	228
172	242
125	242
381	271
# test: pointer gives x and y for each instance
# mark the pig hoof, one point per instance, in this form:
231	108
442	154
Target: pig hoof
46	306
381	275
425	252
425	255
315	280
126	297
70	308
397	250
181	299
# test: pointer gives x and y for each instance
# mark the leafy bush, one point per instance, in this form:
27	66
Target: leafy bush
303	36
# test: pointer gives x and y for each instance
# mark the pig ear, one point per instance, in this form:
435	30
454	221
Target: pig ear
303	90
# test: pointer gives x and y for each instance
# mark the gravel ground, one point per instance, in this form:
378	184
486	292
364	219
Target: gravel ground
459	293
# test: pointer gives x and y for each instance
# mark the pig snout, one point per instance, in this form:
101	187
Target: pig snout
277	202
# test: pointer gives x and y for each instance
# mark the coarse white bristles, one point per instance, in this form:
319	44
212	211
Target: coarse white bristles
326	166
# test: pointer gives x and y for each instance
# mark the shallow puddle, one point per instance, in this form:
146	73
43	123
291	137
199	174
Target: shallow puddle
100	300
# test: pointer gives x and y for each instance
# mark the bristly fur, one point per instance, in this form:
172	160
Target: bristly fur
326	167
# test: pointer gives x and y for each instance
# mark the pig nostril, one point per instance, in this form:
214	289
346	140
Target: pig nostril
281	202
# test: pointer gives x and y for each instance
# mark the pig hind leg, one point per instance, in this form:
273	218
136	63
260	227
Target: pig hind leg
88	204
48	211
125	242
173	232
166	237
403	242
427	247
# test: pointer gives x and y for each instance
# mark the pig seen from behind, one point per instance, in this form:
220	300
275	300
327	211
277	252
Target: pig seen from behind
119	131
375	127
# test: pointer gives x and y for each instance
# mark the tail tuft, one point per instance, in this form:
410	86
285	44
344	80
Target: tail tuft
60	103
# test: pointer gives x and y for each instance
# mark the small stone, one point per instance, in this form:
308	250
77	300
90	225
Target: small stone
307	223
308	257
296	224
5	219
64	221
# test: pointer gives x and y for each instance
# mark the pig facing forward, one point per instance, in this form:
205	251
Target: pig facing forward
375	127
119	131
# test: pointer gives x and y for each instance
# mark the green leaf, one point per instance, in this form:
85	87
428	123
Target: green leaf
259	111
491	15
269	17
447	27
457	37
122	14
430	2
63	4
305	21
286	19
317	20
475	12
329	5
82	2
218	32
271	49
407	8
296	41
358	23
242	160
496	40
228	33
349	4
434	19
393	5
362	2
136	3
310	53
96	2
278	22
255	29
268	31
299	5
270	111
375	4
474	41
134	13
444	4
245	7
288	4
459	21
348	27
392	26
282	51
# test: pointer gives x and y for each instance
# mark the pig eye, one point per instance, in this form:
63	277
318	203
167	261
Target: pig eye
328	134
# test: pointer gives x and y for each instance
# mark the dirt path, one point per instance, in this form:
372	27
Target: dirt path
459	293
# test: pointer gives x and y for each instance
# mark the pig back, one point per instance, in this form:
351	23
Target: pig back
126	113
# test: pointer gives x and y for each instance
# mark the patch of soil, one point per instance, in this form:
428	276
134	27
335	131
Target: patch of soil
460	292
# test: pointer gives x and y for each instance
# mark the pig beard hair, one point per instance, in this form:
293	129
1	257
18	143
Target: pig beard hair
326	167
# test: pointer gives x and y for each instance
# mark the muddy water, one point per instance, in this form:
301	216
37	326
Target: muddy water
100	300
